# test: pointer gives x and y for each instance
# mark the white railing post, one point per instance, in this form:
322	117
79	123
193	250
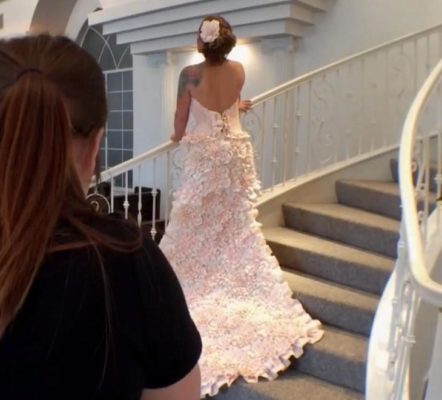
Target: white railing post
167	193
126	195
153	230
434	388
112	193
275	128
140	202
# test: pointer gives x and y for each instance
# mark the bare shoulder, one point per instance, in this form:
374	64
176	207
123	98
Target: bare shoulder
237	66
238	69
192	72
189	76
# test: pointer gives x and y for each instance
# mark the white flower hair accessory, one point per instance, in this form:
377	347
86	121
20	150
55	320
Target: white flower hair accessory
209	31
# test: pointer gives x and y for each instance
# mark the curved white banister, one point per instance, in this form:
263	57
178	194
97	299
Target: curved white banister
396	369
303	78
428	289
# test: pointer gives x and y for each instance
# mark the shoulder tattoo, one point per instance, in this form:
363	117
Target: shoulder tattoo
189	76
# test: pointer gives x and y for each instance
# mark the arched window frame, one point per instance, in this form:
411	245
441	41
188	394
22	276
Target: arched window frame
117	143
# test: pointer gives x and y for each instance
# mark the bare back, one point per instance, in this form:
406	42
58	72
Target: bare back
215	87
219	86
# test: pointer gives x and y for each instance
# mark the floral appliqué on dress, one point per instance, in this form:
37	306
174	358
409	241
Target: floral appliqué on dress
249	323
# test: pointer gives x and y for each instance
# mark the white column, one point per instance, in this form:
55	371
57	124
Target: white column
279	52
154	84
434	389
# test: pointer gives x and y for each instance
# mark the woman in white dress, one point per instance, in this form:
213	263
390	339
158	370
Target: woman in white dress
249	323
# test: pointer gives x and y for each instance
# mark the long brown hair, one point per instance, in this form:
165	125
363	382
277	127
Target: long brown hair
50	91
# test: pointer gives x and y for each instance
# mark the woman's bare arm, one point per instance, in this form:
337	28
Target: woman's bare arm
190	76
188	388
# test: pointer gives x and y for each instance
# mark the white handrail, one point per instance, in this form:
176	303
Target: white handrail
134	162
303	78
427	288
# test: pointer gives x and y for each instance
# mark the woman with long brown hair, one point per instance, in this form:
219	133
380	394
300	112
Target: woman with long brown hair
88	309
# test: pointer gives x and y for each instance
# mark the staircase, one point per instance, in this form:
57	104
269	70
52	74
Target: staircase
337	258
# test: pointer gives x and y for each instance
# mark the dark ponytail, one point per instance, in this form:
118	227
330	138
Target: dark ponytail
50	92
34	170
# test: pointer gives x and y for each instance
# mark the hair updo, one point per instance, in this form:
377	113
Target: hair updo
216	52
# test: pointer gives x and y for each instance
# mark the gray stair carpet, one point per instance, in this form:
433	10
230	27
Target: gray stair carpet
336	259
377	197
374	196
291	385
344	224
339	358
334	304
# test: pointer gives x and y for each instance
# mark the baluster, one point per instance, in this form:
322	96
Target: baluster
338	127
275	128
309	128
426	183
438	177
415	74
427	56
434	380
112	194
349	96
389	126
126	195
169	188
285	148
153	230
440	44
397	302
362	105
406	342
262	138
297	122
106	150
140	202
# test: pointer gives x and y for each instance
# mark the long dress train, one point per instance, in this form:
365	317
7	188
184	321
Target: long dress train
249	323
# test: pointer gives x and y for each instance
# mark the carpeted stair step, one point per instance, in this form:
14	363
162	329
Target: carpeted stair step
329	260
394	167
291	385
374	196
344	224
334	304
339	358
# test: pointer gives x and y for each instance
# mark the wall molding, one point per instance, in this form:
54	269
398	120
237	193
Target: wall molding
170	25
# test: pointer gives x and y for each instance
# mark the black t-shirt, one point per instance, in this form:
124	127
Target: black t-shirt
60	345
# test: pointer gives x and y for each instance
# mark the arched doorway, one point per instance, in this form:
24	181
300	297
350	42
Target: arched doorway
51	16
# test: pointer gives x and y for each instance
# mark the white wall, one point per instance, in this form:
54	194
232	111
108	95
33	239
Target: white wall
17	16
350	26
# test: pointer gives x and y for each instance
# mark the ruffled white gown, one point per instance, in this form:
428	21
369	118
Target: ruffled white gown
249	323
